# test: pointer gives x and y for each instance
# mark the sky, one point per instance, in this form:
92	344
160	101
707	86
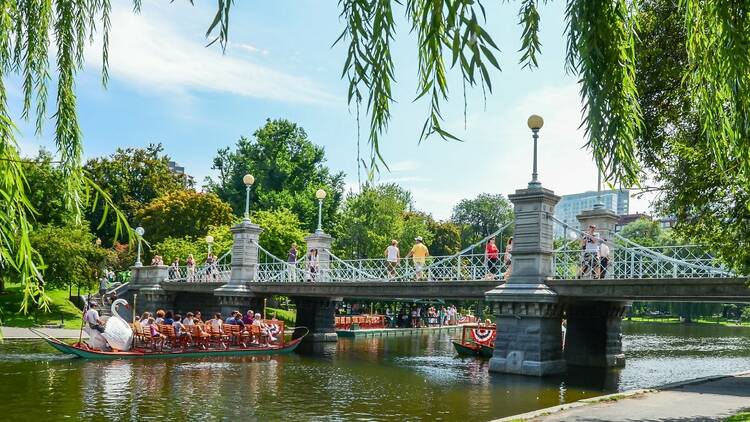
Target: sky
166	86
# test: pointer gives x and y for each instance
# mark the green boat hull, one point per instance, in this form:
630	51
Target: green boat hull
92	354
473	349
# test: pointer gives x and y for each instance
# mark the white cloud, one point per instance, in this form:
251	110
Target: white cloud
403	166
249	48
406	179
150	52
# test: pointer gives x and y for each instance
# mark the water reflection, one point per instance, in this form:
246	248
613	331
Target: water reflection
397	378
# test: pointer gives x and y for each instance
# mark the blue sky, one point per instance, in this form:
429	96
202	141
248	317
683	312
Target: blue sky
167	87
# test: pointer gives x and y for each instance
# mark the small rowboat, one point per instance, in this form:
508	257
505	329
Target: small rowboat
480	341
83	351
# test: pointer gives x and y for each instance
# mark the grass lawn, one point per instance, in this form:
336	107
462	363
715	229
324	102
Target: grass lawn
675	320
60	308
740	417
289	317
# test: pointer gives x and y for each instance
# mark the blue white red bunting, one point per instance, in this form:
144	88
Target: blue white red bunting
483	336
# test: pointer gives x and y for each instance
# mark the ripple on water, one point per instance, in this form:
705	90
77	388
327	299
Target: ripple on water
31	357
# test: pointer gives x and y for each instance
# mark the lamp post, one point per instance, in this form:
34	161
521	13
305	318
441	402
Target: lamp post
209	241
139	232
599	204
321	195
535	123
248	180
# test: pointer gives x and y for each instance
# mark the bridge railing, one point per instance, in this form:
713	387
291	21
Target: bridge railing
435	268
217	272
631	260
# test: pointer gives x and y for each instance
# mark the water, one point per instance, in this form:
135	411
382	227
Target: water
397	378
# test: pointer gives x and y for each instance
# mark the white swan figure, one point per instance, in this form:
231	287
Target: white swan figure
118	333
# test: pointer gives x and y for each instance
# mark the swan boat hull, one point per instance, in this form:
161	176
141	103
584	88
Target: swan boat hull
142	354
473	349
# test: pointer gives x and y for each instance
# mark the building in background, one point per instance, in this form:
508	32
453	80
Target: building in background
572	205
180	171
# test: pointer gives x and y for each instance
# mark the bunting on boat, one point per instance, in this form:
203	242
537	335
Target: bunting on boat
483	336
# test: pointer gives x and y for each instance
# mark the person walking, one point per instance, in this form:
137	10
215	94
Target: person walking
508	258
174	269
312	264
392	257
190	263
603	258
103	289
291	259
419	254
491	254
590	246
209	267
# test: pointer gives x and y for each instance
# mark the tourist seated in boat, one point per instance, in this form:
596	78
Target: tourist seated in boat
159	317
168	318
248	318
94	328
235	319
264	330
157	338
198	318
144	319
189	319
217	325
180	331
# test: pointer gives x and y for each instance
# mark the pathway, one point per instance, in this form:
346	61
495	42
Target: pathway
711	400
16	333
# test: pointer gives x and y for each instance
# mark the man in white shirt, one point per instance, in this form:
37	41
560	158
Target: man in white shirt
590	253
94	328
392	256
603	258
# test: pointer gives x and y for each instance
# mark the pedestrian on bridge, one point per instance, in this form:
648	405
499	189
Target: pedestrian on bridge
590	245
392	257
291	259
603	258
419	254
492	254
312	264
508	258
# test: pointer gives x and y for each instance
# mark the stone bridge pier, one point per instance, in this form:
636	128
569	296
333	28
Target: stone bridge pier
317	314
529	314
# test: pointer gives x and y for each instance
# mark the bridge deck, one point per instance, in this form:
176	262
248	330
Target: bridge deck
663	290
360	289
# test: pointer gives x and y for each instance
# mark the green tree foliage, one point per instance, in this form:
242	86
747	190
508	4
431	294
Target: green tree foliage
44	180
183	213
133	177
415	223
601	52
446	238
481	216
281	228
370	219
181	247
70	255
647	233
706	189
288	169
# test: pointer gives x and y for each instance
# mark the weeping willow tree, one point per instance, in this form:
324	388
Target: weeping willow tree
34	33
451	36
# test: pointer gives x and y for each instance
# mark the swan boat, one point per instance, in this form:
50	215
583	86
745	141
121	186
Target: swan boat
82	351
476	340
118	334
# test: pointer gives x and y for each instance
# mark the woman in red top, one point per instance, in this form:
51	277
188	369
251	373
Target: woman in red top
492	254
